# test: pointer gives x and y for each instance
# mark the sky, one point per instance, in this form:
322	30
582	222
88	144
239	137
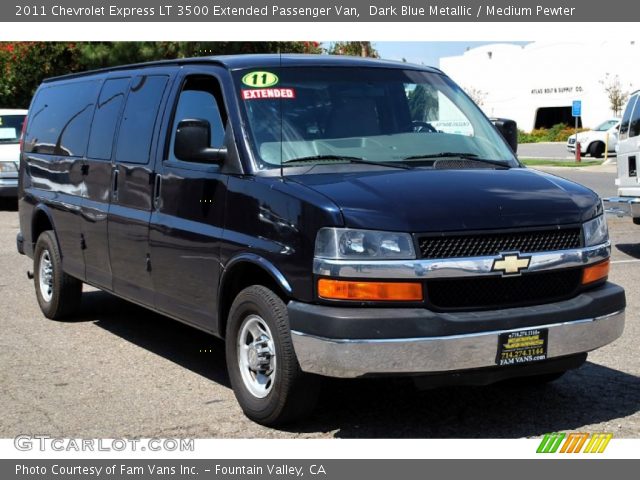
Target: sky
427	53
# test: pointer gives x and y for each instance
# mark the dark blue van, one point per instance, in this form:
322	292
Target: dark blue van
326	216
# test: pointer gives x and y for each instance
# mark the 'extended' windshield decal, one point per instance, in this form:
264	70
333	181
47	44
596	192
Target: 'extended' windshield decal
286	93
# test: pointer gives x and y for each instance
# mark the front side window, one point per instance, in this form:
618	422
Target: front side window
333	114
10	127
200	99
634	123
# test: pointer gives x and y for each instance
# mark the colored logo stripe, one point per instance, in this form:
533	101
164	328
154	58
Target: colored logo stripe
574	442
550	443
598	442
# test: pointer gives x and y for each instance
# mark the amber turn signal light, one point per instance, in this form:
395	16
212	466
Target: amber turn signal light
369	291
595	272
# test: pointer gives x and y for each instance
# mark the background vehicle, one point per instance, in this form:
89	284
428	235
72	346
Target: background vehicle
594	141
10	129
326	216
628	201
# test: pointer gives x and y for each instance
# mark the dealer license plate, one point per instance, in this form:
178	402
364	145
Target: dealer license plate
522	346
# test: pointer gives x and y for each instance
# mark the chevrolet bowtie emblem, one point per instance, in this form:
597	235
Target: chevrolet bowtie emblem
510	264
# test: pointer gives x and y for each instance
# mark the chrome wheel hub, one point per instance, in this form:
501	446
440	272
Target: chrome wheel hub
256	356
45	276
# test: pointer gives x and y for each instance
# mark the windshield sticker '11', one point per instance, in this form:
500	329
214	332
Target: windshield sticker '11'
284	93
260	79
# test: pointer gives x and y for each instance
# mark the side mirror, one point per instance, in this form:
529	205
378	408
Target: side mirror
509	131
193	137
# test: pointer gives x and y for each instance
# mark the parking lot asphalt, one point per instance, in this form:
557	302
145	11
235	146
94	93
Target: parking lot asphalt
544	150
118	370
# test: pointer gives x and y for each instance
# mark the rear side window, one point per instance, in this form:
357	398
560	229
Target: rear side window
60	117
105	118
626	118
139	118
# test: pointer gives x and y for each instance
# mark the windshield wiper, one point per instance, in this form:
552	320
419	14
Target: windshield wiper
349	159
460	155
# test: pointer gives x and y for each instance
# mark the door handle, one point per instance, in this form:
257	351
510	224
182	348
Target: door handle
84	169
114	187
157	191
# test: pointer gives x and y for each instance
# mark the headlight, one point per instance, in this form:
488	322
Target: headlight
595	231
351	244
8	167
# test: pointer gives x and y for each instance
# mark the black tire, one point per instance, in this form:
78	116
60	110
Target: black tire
596	149
293	393
66	291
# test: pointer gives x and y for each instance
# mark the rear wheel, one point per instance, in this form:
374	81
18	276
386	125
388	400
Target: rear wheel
58	293
264	371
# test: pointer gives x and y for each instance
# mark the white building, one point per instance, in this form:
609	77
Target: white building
536	84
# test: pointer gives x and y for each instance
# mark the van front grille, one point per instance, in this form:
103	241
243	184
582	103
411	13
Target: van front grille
502	292
490	244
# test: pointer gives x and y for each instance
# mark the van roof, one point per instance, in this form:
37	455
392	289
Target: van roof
238	62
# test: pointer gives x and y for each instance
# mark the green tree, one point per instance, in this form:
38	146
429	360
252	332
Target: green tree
354	49
23	65
616	93
106	54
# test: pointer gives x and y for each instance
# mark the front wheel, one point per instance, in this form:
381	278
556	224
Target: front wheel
263	368
596	149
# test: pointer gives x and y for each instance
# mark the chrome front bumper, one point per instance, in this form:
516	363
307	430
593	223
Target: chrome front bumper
355	358
622	206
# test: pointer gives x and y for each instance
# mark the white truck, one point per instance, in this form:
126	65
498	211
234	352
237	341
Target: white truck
627	203
10	129
596	141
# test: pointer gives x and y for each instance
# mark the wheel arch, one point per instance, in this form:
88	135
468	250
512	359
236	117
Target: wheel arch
41	221
243	271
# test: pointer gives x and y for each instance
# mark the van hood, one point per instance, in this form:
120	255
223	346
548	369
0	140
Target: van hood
423	200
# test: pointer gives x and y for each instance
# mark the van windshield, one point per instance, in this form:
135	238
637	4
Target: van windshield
10	128
313	115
